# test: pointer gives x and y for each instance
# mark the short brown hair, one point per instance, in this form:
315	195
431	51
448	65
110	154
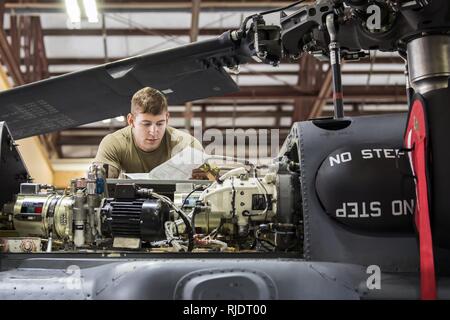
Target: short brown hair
148	100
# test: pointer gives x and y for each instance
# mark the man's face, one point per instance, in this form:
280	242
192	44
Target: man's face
148	129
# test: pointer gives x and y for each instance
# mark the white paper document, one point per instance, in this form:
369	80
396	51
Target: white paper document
179	167
137	176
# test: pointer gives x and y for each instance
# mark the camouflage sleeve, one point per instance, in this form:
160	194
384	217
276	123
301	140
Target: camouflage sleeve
109	153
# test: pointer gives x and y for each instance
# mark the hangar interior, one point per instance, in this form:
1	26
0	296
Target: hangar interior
333	113
39	41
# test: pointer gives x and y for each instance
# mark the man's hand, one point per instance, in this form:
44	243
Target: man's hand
113	172
205	172
199	174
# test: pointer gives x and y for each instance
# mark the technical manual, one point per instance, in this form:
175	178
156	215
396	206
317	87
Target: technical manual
179	167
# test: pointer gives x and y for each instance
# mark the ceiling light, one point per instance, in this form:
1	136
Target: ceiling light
90	8
73	11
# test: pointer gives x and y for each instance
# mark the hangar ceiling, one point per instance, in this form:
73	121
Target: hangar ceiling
38	42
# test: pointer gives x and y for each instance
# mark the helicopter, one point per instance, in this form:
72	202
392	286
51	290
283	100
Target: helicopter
356	208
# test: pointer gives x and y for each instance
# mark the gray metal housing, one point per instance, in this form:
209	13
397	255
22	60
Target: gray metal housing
324	238
229	278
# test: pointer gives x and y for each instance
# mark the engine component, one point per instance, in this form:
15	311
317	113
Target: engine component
429	67
39	214
132	214
20	245
140	218
70	217
289	206
238	211
186	195
238	198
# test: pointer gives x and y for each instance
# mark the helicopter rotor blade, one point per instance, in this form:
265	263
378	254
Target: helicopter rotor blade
186	73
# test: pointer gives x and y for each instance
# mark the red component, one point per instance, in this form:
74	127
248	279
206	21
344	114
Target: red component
38	209
416	139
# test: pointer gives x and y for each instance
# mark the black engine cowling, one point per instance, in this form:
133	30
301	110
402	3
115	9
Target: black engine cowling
368	187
